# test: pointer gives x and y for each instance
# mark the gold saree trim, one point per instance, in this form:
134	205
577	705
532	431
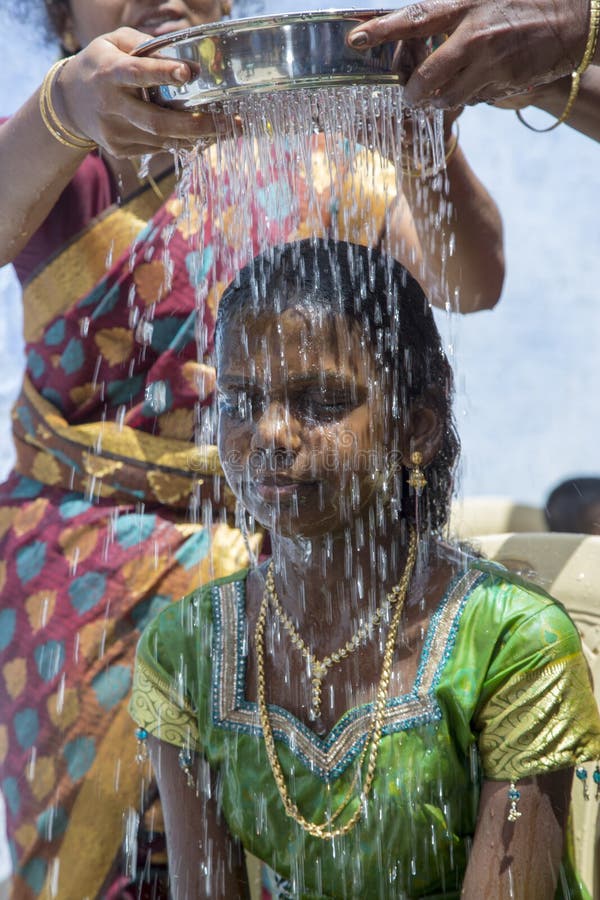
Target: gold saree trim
526	727
78	268
112	441
98	458
162	711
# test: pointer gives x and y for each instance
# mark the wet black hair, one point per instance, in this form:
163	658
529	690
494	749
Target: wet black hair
569	504
382	296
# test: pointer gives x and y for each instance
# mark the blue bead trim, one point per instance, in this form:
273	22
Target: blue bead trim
430	711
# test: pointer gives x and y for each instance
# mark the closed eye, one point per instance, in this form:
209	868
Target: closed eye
327	405
240	404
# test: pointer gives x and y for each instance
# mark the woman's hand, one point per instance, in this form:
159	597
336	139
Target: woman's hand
494	47
98	94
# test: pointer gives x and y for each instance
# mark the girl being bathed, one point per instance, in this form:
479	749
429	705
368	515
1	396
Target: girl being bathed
371	712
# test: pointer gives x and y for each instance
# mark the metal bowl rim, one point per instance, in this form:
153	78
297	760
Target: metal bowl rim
254	23
218	95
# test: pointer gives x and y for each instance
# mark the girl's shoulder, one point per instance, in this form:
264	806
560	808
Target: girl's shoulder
510	622
174	653
175	631
493	621
505	593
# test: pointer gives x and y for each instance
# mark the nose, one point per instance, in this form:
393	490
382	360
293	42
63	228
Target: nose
276	430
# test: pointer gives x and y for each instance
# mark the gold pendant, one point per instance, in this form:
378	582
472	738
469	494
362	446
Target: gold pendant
315	708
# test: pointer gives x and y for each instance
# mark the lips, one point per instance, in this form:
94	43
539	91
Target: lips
163	20
276	486
276	480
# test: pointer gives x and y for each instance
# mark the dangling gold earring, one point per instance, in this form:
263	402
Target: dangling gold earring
226	6
416	476
417	481
69	43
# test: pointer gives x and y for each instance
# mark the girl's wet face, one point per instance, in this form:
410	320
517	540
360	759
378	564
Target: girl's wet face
301	413
90	18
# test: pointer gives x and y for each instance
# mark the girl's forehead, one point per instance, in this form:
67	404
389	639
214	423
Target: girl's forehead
300	338
308	321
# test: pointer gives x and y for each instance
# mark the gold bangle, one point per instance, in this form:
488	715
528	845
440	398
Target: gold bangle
592	41
431	173
588	55
50	117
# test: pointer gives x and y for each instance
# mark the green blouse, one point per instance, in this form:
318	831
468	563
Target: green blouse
502	692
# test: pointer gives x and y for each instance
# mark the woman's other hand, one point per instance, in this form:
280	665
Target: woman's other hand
494	47
98	95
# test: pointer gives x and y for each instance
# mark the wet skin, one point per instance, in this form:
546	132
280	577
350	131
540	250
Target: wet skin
305	435
301	415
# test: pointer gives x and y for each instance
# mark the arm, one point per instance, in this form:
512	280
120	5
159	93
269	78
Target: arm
494	47
519	860
585	115
204	860
471	277
97	96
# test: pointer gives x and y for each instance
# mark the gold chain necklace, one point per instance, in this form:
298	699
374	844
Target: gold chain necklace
324	831
319	667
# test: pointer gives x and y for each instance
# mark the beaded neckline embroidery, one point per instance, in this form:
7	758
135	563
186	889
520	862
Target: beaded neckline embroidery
327	757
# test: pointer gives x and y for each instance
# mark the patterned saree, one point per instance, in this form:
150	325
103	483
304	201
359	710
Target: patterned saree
116	508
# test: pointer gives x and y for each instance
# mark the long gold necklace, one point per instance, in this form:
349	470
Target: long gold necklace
318	668
324	830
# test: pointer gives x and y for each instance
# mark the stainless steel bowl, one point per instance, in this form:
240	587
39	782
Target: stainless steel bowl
269	54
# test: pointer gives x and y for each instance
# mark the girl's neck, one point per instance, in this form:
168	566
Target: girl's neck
344	576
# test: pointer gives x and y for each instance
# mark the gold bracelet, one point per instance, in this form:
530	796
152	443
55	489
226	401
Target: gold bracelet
431	173
588	55
50	117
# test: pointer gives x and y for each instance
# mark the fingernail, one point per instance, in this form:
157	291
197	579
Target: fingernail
413	99
359	39
180	74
